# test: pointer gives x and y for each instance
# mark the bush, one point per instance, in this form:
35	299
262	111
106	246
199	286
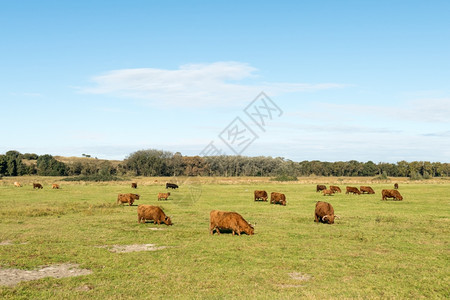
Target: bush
94	177
284	178
415	176
382	176
426	175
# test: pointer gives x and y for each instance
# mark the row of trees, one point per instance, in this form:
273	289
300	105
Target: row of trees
163	163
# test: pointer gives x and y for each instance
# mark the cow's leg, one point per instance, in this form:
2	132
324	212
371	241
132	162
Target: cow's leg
316	219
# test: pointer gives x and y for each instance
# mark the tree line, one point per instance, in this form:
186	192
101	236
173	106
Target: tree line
164	163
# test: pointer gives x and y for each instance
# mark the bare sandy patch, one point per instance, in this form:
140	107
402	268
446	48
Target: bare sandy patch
133	248
155	229
300	276
8	242
11	277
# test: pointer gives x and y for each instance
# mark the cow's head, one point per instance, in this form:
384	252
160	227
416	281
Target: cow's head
250	230
168	194
136	196
167	221
328	219
283	202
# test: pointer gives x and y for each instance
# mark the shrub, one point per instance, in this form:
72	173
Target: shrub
382	176
415	176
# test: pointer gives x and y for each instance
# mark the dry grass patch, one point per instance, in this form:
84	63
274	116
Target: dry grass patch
11	277
133	248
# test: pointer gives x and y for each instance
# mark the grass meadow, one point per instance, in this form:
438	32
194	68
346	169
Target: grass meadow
377	249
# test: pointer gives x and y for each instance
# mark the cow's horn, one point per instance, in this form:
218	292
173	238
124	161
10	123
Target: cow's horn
324	217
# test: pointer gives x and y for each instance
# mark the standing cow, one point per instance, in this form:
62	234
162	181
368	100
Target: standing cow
324	212
155	213
55	186
366	189
261	195
134	185
37	186
320	187
352	190
229	221
277	198
396	186
163	196
127	198
327	192
171	185
17	184
391	194
335	189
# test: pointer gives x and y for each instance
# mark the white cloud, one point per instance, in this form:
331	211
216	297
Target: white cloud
215	84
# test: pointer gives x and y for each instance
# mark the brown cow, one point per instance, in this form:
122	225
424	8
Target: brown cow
396	186
366	189
17	184
55	186
328	192
163	196
261	195
324	212
37	186
134	185
229	221
353	190
320	187
391	194
155	213
335	189
277	198
127	198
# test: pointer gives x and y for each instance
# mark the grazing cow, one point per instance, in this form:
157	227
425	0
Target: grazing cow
335	189
324	212
277	198
366	189
171	185
134	185
396	186
391	194
17	184
127	198
352	190
155	213
37	186
261	195
163	196
320	187
229	221
55	186
327	192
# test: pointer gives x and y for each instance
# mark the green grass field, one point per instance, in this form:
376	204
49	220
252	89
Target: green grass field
377	249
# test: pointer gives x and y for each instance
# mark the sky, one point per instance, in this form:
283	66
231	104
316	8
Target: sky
303	80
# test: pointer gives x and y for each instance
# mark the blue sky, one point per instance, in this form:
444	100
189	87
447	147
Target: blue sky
363	80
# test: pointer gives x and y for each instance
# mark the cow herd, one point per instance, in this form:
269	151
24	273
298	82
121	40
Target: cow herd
38	186
395	194
234	222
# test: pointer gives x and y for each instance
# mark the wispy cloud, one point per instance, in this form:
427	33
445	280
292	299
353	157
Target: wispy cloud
438	134
218	84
